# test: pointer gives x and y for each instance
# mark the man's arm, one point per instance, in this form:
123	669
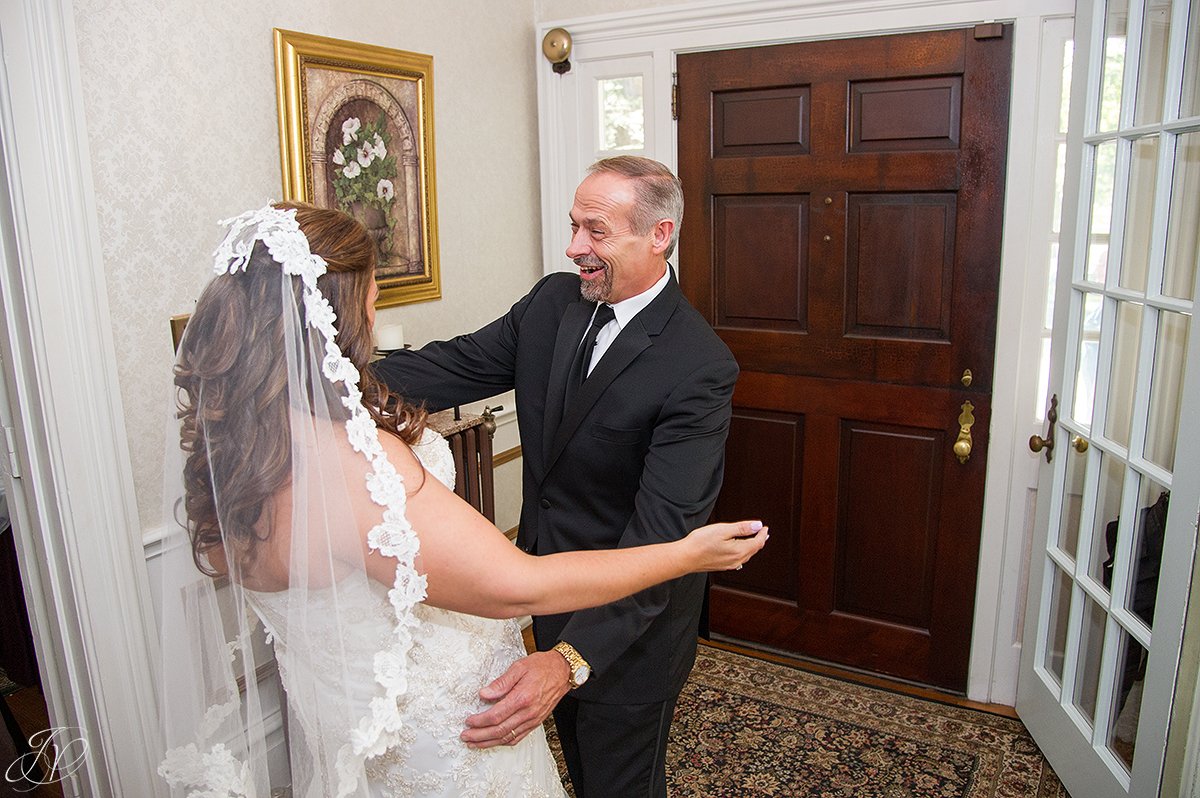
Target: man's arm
464	369
680	481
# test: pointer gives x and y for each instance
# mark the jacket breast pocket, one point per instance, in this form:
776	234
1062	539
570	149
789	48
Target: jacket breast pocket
626	437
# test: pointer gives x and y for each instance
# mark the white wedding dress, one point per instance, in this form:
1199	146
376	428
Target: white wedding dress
451	658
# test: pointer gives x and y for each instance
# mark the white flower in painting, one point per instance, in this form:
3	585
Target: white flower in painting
365	155
385	190
352	170
350	130
379	147
338	158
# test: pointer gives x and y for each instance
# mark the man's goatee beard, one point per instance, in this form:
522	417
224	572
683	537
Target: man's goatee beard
597	290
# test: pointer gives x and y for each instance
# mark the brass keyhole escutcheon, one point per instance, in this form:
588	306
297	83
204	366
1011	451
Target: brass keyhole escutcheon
967	378
962	446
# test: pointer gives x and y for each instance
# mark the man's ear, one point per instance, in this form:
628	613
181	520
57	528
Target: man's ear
662	231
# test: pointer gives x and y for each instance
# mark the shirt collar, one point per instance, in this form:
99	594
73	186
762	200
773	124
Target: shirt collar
626	309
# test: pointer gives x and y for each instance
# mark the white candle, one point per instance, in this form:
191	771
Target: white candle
389	337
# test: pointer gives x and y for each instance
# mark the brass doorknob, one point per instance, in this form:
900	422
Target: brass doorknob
962	446
1079	443
1037	443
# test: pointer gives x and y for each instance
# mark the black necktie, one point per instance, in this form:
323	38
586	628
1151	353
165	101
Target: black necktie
583	353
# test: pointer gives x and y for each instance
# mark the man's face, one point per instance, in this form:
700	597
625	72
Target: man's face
614	262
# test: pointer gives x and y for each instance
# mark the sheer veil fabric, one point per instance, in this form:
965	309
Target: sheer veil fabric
280	399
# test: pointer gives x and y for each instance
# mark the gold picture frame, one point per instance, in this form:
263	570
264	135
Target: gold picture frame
356	133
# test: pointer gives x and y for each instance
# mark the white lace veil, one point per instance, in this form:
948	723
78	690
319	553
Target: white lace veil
273	459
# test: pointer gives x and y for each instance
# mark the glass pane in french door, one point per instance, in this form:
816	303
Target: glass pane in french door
1152	72
1127	700
1183	243
1139	205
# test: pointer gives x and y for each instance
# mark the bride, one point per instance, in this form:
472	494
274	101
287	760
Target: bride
303	496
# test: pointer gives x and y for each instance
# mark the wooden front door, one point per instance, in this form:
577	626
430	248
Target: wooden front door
842	234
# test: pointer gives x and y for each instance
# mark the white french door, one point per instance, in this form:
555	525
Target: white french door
1120	486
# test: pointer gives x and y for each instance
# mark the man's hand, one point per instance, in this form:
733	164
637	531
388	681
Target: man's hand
524	695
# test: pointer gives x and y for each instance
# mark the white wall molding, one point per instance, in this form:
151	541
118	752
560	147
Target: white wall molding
76	520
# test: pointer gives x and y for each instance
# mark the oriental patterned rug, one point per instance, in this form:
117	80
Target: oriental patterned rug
746	727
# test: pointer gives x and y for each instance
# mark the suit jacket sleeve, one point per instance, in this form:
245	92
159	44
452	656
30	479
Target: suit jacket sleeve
465	369
679	485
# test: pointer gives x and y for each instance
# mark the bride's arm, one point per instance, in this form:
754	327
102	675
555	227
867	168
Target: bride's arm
473	568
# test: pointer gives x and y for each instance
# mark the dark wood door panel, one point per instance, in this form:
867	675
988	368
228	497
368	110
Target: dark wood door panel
760	262
890	481
763	478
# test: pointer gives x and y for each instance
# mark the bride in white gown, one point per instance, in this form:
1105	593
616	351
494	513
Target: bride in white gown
386	600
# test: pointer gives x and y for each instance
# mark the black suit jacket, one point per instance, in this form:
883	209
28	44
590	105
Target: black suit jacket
638	458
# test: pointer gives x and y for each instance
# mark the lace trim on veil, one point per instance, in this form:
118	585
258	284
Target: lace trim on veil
217	769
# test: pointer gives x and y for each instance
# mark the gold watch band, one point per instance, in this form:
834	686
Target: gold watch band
580	670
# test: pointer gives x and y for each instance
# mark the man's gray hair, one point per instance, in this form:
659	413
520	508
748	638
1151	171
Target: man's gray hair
659	194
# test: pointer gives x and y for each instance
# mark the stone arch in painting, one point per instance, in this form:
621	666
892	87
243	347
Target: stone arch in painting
363	97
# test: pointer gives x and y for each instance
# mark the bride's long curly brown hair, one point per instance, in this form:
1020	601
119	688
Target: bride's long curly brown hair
232	378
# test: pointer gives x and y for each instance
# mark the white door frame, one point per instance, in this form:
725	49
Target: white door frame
78	532
661	34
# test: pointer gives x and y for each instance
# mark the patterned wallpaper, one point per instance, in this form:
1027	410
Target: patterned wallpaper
181	121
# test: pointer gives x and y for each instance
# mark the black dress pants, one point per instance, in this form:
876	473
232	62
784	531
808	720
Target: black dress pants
615	750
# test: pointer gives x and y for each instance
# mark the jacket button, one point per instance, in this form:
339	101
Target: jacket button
545	504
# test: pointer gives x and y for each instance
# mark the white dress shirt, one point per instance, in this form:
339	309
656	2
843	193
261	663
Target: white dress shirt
624	311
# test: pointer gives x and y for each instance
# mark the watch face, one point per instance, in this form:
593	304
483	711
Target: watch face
581	674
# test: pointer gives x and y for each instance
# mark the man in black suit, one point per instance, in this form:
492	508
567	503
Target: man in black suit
623	401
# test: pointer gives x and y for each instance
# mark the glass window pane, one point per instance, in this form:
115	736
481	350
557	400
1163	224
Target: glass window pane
1091	647
1148	529
1060	173
1183	225
1189	103
622	116
1043	391
1072	501
1127	700
1051	284
1107	521
1056	627
1166	389
1085	368
1139	212
1122	376
1100	224
1116	24
1152	71
1064	103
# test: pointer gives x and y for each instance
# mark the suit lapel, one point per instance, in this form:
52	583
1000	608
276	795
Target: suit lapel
634	339
570	333
627	346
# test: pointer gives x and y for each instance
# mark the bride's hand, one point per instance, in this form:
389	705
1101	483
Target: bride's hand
724	547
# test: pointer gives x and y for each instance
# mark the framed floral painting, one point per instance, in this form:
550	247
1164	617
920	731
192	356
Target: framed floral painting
356	133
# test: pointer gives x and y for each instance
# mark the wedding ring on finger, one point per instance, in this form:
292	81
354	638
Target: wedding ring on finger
512	736
737	567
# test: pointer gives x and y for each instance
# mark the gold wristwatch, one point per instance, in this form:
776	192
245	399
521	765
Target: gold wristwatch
580	670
